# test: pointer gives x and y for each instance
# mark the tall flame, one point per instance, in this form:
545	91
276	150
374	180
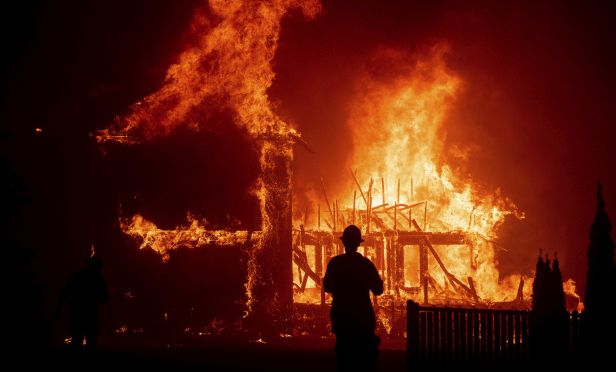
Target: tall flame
229	67
397	125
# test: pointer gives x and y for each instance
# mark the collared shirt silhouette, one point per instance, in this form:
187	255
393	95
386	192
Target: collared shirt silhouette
349	278
83	293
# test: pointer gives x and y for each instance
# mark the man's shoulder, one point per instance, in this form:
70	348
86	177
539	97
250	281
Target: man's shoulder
366	259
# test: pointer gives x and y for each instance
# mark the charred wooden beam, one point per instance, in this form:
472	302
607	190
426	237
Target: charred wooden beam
331	213
452	279
359	187
471	283
404	237
301	260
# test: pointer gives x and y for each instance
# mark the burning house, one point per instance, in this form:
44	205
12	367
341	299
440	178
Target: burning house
430	232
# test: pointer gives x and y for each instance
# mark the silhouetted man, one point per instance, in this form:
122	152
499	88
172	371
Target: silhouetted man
83	293
349	278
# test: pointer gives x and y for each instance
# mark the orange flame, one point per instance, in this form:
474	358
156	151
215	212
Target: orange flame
397	128
229	67
194	235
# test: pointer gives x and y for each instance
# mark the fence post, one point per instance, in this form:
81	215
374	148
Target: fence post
490	339
412	331
470	347
449	341
525	337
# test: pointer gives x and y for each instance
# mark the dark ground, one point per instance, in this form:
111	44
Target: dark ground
290	355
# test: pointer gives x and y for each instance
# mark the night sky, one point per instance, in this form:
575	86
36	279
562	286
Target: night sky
537	108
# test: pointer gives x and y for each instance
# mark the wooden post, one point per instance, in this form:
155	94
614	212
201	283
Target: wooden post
520	297
383	189
354	198
525	341
334	216
463	336
341	221
518	334
484	336
359	187
410	208
490	349
471	284
369	207
423	345
399	248
322	294
469	337
430	334
471	248
425	215
318	258
423	268
396	216
396	208
425	288
457	331
476	345
503	335
392	310
443	334
437	338
388	262
319	217
497	336
448	336
412	330
510	325
331	212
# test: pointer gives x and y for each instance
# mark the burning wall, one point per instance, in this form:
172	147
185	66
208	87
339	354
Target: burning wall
229	67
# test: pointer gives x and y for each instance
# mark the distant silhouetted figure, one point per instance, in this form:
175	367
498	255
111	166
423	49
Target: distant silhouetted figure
83	293
349	278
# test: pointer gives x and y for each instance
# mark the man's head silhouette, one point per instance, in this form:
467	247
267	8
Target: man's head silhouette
351	237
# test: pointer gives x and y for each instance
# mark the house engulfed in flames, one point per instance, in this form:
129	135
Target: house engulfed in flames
429	233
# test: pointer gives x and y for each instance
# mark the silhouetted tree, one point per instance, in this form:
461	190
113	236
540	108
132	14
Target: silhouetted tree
598	315
600	276
557	294
538	296
548	314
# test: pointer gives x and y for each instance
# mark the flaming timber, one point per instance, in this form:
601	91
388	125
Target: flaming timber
387	249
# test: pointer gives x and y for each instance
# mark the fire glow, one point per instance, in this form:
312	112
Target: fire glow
398	155
397	162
